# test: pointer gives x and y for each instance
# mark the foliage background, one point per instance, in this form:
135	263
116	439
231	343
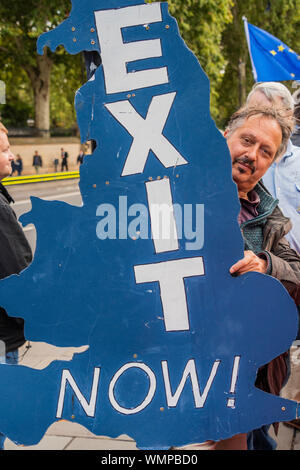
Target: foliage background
212	29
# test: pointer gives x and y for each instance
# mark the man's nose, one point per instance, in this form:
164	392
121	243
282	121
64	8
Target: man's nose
252	153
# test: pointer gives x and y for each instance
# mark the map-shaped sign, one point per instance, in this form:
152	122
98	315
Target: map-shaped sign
139	274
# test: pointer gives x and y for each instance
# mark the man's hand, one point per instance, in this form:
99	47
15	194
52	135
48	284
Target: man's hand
250	262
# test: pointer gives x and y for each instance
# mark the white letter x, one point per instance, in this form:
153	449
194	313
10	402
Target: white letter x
147	133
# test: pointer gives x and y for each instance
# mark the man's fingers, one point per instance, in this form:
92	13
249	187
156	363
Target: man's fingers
242	263
238	266
250	262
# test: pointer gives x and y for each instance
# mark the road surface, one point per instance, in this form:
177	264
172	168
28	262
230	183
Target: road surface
66	190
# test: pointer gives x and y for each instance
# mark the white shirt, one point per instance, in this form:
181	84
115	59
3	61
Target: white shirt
283	181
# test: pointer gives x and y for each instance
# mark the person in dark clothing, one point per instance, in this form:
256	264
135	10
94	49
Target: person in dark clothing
64	160
80	157
13	168
37	161
18	165
15	255
55	163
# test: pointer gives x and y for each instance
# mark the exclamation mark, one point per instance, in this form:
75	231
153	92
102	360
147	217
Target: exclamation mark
234	377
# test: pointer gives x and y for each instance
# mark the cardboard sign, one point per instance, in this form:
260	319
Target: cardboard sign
140	272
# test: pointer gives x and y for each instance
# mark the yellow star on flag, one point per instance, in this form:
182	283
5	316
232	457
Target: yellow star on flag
273	52
292	75
281	48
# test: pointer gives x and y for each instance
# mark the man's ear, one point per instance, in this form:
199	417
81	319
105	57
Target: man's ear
225	134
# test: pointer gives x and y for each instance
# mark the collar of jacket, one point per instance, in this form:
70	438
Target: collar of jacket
270	225
5	193
265	207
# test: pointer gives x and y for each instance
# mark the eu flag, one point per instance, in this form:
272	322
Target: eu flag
272	60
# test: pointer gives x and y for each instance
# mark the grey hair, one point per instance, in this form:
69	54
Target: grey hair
285	122
273	90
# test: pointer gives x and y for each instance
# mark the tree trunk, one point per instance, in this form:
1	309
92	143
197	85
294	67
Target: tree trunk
40	80
242	82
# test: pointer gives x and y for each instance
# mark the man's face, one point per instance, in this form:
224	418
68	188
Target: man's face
253	147
6	156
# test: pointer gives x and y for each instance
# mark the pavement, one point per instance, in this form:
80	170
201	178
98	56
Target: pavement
66	435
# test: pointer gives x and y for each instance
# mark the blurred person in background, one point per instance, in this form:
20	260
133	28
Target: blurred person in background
64	160
80	157
55	163
18	165
37	161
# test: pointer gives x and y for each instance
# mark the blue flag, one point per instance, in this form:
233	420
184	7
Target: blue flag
272	60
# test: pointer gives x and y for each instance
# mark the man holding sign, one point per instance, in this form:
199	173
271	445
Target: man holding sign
255	137
254	144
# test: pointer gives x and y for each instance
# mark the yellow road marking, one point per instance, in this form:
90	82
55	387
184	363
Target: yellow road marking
40	178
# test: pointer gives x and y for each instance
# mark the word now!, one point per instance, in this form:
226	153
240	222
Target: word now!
171	398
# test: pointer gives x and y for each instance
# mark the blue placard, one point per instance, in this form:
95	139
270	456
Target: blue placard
140	272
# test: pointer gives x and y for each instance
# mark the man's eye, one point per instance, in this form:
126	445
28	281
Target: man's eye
266	152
